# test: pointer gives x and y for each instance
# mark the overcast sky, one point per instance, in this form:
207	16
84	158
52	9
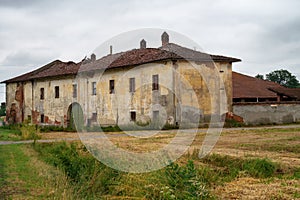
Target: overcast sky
264	34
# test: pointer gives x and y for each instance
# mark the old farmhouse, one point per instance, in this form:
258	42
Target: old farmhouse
171	83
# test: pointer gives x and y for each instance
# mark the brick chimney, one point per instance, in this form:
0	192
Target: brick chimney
110	49
164	38
93	57
143	44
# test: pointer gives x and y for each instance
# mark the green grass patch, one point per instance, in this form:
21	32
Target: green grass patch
16	172
230	167
7	134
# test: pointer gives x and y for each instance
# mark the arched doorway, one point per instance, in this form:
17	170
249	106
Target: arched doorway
75	118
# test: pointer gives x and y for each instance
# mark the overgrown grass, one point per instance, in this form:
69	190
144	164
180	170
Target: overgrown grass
19	132
24	176
185	181
92	179
9	134
230	167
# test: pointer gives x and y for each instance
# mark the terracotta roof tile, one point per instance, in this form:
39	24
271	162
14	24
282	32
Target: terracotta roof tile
289	92
249	87
122	59
190	54
55	68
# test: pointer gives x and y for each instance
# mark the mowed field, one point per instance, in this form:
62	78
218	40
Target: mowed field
245	163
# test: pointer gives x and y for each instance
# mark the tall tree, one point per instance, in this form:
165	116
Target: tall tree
283	77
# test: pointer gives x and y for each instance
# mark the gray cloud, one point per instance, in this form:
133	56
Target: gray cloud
264	34
17	3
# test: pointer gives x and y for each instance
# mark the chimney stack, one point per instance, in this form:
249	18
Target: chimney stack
110	49
164	39
93	57
143	44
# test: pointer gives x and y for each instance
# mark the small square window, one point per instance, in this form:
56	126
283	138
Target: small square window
56	91
93	88
42	93
111	86
74	90
133	116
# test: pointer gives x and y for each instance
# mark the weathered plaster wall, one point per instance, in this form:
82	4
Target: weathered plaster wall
13	103
53	109
264	113
203	85
184	94
115	108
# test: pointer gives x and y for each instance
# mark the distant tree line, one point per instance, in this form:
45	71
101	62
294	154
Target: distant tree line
282	77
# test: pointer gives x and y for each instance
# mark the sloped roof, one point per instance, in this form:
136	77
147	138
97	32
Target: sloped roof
289	92
190	54
147	55
122	59
128	58
249	87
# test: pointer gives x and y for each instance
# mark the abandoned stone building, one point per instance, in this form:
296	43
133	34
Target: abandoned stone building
171	83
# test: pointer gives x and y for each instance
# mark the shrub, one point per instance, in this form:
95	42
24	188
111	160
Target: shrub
260	168
29	132
183	183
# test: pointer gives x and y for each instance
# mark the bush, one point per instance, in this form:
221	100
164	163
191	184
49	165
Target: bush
260	168
29	132
183	183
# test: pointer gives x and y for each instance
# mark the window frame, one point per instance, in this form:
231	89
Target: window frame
56	92
42	118
155	115
94	88
42	93
131	85
94	117
155	82
133	116
112	86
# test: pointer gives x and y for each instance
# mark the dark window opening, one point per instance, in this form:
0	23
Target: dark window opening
42	118
132	85
42	93
56	91
74	90
93	88
133	116
94	117
111	86
155	82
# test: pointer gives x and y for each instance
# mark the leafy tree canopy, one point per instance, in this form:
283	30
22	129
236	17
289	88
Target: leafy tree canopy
259	76
283	77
